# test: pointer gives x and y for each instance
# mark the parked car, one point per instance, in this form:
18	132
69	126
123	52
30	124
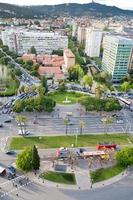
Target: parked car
1	125
10	152
7	120
23	132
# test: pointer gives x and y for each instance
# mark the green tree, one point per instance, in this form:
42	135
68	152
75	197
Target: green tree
44	83
75	73
125	86
58	52
35	158
32	50
24	160
29	63
62	86
1	43
41	90
87	81
22	89
99	90
125	156
18	106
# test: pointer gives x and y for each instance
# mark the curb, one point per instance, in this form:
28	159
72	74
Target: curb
111	181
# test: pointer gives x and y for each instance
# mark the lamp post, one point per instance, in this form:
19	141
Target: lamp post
76	137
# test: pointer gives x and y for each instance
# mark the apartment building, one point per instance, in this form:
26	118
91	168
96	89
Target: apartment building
93	42
69	59
116	56
21	41
131	63
81	35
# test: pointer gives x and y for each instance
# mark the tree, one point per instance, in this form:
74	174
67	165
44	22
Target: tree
24	160
44	83
81	124
58	52
125	86
29	63
125	156
22	120
62	86
99	90
66	122
1	43
35	158
32	50
18	106
41	90
75	73
107	121
22	89
87	81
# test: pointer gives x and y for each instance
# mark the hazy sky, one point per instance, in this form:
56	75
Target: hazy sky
126	4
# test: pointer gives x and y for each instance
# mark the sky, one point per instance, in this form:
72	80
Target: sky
125	4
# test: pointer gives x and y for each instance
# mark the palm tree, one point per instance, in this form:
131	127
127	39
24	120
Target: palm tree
66	122
108	121
72	159
81	124
22	120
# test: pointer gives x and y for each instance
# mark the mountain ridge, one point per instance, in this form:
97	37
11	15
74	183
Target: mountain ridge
73	9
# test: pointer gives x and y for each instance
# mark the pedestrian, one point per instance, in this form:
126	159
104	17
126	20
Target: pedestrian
17	194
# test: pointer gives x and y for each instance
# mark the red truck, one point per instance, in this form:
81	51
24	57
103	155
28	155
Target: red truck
103	146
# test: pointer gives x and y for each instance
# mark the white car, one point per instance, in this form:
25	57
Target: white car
22	124
120	121
22	132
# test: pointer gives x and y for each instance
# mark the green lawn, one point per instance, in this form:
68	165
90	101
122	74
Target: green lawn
65	178
66	141
107	173
59	97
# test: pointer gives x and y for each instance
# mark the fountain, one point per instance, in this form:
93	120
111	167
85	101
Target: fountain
66	100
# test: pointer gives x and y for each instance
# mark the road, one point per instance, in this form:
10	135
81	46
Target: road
31	79
53	124
121	190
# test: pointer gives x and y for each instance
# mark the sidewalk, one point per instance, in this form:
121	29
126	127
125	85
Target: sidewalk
83	181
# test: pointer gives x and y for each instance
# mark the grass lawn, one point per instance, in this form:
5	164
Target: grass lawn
59	177
59	97
107	173
66	141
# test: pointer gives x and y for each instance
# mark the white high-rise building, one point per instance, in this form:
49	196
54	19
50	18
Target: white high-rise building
74	29
116	56
21	41
93	42
81	36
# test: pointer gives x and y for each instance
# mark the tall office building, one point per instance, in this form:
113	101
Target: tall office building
93	42
116	56
21	41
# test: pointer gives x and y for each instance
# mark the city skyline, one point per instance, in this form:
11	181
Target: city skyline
119	3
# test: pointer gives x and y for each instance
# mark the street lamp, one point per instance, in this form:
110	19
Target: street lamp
76	137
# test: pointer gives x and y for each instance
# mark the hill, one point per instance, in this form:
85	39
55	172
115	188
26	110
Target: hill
73	9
